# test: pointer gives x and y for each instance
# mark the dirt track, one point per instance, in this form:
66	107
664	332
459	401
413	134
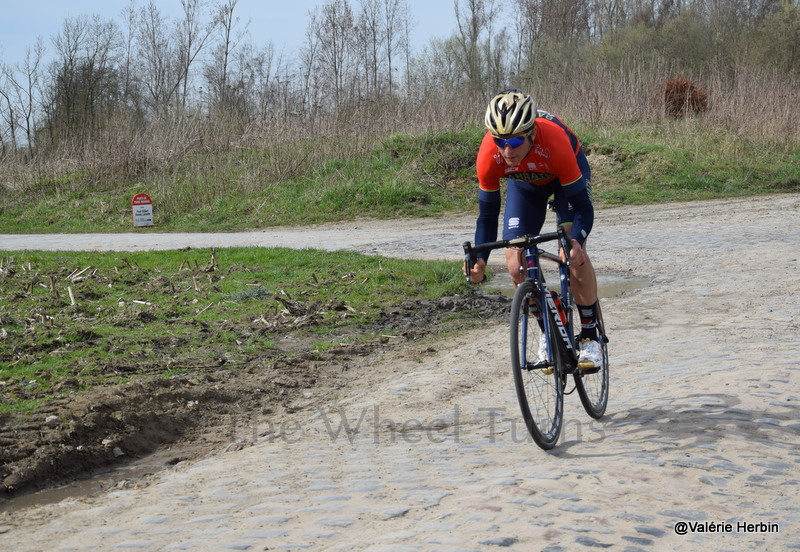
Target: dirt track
425	450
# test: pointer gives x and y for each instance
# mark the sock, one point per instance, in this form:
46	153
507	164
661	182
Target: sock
588	316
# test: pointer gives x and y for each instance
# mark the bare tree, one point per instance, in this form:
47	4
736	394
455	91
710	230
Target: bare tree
309	77
607	15
8	113
404	43
334	27
499	63
130	93
474	20
192	37
62	103
382	29
528	26
565	20
216	72
397	26
159	73
259	69
231	35
84	85
21	95
371	40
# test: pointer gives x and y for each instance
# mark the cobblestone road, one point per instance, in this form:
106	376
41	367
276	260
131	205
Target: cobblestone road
699	449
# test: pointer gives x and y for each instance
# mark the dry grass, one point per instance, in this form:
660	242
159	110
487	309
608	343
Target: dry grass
756	105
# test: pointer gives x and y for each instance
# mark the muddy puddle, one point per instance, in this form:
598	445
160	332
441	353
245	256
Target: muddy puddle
120	477
608	285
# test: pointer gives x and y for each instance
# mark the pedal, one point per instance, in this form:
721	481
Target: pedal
588	367
543	366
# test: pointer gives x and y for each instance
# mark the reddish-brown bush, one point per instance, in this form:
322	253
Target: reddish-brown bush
681	96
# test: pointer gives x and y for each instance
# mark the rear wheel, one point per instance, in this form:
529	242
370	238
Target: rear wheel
539	384
593	385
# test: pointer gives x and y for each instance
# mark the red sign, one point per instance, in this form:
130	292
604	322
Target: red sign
141	199
142	210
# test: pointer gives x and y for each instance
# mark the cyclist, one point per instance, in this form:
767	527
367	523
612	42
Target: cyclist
539	156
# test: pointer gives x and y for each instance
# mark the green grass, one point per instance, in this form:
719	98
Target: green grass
170	312
684	162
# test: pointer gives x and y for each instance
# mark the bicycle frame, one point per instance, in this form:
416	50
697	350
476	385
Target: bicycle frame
532	257
561	311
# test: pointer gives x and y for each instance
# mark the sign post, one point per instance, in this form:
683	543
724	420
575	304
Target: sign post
142	210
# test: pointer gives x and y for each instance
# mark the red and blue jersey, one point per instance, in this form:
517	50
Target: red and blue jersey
553	156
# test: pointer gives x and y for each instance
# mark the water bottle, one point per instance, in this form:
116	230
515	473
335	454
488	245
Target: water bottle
559	308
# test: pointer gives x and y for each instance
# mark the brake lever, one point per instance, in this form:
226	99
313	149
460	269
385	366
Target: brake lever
566	245
469	260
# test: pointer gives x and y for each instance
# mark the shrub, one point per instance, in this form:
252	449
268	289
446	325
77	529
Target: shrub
681	95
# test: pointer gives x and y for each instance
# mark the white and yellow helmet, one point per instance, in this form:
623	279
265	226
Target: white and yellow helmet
510	113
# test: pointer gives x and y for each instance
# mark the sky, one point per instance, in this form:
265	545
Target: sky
281	22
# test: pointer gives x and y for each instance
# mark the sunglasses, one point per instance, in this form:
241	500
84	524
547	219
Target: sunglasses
513	143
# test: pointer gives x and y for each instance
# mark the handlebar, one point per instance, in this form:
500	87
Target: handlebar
525	242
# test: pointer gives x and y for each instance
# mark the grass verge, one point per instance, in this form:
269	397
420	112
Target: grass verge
398	175
682	161
69	322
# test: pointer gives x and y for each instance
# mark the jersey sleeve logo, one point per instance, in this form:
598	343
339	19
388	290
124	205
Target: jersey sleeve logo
542	152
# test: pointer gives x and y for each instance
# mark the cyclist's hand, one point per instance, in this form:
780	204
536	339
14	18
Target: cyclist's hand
478	272
577	255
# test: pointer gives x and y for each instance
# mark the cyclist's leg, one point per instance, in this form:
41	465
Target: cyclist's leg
514	264
525	210
583	278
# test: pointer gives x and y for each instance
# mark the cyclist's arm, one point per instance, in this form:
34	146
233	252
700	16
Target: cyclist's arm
488	213
574	186
577	193
489	173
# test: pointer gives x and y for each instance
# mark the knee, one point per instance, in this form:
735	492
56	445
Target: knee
514	264
517	276
583	271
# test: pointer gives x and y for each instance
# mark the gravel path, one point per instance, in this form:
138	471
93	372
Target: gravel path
426	239
699	449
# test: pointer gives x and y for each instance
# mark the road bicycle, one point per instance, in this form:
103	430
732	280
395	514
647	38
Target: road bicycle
540	313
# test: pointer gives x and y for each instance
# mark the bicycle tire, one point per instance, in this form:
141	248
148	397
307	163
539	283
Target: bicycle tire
539	388
593	386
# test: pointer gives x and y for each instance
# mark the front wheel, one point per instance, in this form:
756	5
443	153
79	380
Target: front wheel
538	381
593	386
